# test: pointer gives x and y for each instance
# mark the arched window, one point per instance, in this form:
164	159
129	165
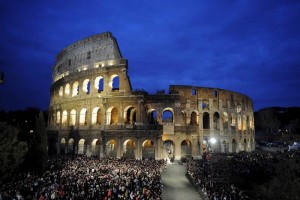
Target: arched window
167	115
233	120
239	122
67	89
194	119
58	117
130	115
86	86
96	116
152	116
75	89
99	84
206	120
83	117
114	82
64	117
225	121
114	116
73	117
216	121
244	122
61	91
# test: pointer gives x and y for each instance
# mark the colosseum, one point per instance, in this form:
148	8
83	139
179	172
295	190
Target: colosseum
94	110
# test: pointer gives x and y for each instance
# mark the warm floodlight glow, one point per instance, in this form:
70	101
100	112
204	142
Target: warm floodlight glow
213	140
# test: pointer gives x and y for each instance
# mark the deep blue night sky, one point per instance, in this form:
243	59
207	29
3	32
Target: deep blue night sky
251	47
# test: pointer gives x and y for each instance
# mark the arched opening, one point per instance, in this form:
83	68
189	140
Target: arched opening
114	116
194	119
233	120
216	121
81	144
71	147
239	122
169	149
114	83
96	116
248	123
152	117
186	149
61	91
83	117
73	117
167	115
75	89
130	115
58	117
62	146
67	89
244	122
148	151
129	149
111	148
64	117
95	147
86	86
225	121
99	84
206	120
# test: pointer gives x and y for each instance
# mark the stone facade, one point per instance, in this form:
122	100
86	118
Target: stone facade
95	111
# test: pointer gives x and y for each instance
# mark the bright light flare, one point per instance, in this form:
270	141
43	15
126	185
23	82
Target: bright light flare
212	140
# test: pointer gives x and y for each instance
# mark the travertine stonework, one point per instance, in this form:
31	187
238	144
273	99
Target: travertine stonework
95	111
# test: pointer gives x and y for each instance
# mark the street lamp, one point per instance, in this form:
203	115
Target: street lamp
211	141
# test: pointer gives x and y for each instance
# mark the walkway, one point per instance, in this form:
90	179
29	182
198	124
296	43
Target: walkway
176	186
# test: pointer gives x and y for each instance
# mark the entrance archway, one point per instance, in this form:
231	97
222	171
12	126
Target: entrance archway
62	146
96	147
169	149
186	149
148	151
71	146
129	149
111	148
81	145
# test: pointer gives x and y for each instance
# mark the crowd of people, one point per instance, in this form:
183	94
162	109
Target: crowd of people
72	177
211	175
81	177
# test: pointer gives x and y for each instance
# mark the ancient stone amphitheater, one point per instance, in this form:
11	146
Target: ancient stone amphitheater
94	110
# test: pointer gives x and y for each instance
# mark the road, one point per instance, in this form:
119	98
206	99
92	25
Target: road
176	186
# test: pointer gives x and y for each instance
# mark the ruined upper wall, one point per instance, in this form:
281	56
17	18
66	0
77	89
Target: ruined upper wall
216	94
99	50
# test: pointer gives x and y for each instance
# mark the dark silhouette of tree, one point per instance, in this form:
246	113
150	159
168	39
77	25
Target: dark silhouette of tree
285	183
12	152
266	120
38	155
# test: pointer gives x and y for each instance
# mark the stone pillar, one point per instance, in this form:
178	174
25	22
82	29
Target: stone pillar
120	148
159	148
88	150
139	148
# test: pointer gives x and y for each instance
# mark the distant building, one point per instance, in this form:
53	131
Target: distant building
95	111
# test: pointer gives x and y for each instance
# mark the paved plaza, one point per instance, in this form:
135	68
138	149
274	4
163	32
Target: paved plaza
176	185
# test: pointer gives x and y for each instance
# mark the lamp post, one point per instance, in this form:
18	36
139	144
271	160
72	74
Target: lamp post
211	142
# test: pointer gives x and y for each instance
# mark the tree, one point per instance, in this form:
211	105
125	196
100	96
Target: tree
38	156
12	152
267	120
285	183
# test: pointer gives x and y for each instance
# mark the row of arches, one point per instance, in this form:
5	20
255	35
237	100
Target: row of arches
128	149
112	115
87	85
149	149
